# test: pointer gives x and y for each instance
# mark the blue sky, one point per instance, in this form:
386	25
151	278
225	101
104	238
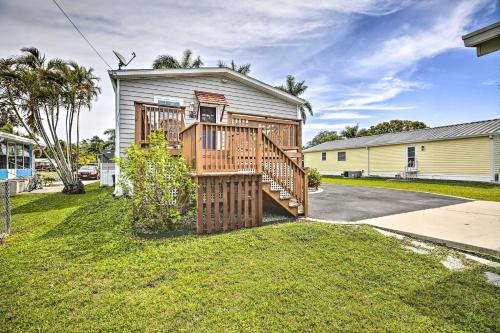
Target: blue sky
364	61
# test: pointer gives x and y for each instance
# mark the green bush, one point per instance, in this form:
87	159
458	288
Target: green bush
314	178
158	185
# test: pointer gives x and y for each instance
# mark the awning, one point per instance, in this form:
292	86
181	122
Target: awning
210	98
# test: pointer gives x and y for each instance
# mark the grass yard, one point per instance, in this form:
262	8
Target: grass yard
472	190
71	265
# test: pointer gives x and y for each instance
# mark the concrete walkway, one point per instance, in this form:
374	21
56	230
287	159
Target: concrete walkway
56	188
472	226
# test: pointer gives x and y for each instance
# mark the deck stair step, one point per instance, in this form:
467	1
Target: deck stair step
291	207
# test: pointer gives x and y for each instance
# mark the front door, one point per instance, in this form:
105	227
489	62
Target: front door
208	114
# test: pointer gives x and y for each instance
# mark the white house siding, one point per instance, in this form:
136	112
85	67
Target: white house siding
241	98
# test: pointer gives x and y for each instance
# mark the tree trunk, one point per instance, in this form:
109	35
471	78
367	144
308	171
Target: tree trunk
75	188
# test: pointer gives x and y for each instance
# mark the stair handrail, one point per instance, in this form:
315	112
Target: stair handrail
300	196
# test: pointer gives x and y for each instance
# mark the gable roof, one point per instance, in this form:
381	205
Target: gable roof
210	97
205	71
474	129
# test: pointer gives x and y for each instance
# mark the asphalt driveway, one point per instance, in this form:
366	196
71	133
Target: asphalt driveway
355	203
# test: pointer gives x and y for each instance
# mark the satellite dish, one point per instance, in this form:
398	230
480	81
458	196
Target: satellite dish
121	59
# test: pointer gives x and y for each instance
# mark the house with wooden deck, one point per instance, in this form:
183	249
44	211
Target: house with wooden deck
469	152
241	139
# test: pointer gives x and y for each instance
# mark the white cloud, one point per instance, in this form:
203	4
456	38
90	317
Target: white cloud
321	126
373	107
404	51
368	96
342	115
490	83
380	91
213	29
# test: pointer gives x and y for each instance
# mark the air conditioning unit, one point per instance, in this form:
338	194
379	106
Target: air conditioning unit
352	174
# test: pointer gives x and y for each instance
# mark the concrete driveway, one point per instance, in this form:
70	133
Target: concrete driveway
355	203
471	225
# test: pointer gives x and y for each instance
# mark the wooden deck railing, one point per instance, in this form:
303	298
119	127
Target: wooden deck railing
213	148
284	132
151	117
284	171
220	148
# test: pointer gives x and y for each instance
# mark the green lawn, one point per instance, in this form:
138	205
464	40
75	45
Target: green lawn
473	190
71	265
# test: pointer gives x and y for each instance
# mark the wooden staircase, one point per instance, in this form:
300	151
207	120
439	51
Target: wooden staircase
231	152
283	179
287	203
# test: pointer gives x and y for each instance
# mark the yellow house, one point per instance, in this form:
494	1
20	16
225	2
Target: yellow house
469	151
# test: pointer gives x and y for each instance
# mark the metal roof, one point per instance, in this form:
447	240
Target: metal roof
225	72
474	129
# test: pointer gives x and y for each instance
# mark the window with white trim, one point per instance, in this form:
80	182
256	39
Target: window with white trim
341	156
323	156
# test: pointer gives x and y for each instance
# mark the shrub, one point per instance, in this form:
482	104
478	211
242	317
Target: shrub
314	178
158	185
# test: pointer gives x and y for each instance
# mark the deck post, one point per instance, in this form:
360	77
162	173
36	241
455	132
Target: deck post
198	149
306	192
138	124
258	151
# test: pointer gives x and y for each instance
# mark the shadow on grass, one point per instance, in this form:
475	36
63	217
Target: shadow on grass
56	201
461	300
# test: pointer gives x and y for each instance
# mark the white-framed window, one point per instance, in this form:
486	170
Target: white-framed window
169	101
323	156
341	156
411	157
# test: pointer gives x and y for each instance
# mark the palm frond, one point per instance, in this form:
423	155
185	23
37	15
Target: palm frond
197	63
186	59
165	61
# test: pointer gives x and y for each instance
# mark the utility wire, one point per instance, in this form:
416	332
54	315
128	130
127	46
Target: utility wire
81	33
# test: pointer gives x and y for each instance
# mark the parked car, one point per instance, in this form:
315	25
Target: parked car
88	172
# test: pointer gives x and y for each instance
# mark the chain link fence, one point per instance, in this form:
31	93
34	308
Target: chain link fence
4	209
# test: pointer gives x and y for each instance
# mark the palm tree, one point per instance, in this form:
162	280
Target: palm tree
166	61
80	90
242	69
41	93
297	89
351	132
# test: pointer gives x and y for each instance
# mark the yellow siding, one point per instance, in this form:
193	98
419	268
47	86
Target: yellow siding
356	160
387	159
497	155
455	157
470	156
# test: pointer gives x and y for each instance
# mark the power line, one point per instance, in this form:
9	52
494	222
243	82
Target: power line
81	33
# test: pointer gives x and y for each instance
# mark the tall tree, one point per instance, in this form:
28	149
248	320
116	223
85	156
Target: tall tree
350	132
323	136
96	147
296	89
41	93
242	69
394	126
110	141
167	61
79	90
